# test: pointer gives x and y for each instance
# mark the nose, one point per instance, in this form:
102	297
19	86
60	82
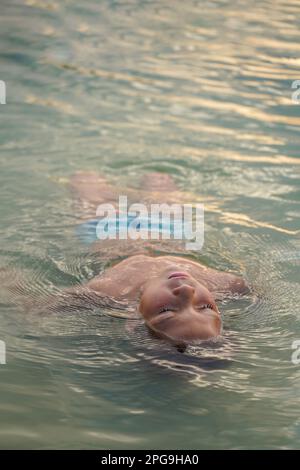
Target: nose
184	292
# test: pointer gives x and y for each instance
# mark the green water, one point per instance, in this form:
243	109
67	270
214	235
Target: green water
200	90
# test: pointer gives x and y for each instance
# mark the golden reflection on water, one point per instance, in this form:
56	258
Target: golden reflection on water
200	90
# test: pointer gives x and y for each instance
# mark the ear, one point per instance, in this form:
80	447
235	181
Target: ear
132	324
138	311
139	304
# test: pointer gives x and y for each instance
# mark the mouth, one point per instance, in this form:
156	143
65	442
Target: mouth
179	275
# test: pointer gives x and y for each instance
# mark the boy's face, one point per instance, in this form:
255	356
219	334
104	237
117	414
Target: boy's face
177	307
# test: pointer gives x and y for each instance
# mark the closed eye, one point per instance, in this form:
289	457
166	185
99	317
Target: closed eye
165	309
204	306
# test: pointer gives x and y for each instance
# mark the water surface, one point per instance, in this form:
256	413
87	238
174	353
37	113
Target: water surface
200	90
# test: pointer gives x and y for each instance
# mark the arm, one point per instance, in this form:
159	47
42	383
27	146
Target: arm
74	299
18	288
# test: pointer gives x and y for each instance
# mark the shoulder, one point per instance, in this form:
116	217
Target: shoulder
227	284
